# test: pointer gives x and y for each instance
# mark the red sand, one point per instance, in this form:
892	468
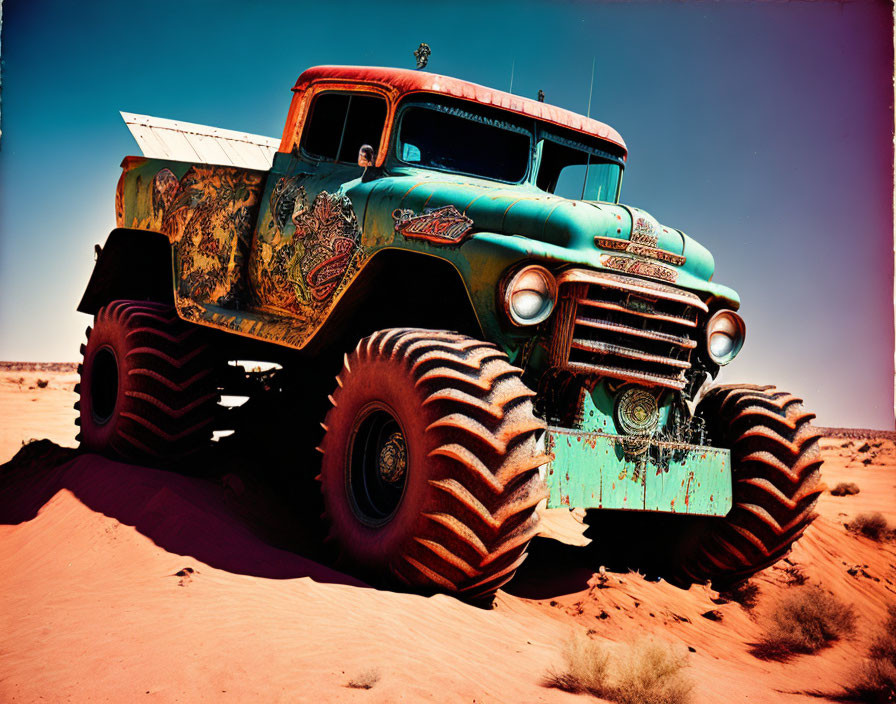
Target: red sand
94	608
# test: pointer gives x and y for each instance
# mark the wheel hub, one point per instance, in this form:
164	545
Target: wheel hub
393	459
104	385
377	466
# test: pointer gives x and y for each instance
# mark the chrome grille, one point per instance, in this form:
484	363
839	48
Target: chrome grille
625	328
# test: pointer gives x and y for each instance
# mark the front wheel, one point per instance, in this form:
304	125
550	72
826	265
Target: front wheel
775	466
430	469
776	472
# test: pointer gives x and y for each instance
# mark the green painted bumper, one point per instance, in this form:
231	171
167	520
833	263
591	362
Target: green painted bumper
592	470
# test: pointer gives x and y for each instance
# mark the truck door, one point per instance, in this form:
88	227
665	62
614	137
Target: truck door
307	245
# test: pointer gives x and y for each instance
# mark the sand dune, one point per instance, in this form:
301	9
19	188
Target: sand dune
122	583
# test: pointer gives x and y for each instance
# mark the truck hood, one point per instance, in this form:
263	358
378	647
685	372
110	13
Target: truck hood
594	234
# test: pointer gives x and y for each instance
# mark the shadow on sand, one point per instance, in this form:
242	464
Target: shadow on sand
553	569
240	515
227	521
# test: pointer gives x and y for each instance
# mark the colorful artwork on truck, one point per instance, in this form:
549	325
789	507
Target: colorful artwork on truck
304	254
207	213
306	251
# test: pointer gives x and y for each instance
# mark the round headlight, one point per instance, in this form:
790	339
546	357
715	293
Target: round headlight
725	333
530	295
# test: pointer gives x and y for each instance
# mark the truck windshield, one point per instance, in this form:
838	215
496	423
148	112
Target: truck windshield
450	138
578	171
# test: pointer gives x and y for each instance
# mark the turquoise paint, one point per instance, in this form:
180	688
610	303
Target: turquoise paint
514	225
590	470
529	223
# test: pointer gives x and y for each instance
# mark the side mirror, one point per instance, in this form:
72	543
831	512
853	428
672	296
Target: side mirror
366	156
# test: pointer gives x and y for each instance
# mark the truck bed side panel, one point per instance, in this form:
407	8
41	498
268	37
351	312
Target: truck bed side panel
208	214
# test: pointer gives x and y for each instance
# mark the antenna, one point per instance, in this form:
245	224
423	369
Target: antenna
512	66
588	160
591	89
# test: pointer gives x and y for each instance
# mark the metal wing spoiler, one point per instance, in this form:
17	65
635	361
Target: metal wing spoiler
159	138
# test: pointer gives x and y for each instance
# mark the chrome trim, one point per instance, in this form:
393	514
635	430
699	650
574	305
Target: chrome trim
685	342
628	375
627	353
628	283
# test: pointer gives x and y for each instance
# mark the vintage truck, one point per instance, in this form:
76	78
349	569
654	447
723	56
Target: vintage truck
503	333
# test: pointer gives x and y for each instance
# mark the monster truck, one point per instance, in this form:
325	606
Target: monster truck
503	334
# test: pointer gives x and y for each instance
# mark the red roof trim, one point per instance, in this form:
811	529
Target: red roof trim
404	81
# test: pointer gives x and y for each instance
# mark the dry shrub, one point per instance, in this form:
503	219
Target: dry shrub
795	576
883	647
845	489
746	594
805	621
876	679
365	680
876	683
871	525
646	672
42	383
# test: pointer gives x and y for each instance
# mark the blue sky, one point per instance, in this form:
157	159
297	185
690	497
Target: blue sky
764	130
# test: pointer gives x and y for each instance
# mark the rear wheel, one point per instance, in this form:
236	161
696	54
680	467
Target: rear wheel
775	464
430	468
148	384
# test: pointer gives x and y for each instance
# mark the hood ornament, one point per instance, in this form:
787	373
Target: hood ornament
642	243
422	55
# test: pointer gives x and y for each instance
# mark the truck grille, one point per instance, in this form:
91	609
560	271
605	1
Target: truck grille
625	328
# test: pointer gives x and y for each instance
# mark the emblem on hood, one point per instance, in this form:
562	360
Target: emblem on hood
639	267
445	225
642	243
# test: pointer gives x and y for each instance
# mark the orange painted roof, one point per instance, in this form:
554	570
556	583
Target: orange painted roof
403	81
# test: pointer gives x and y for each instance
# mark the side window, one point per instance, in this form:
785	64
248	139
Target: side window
323	130
340	123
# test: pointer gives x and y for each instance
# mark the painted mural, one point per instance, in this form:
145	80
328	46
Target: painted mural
306	249
208	214
305	252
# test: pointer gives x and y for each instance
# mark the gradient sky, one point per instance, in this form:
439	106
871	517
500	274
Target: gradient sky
762	129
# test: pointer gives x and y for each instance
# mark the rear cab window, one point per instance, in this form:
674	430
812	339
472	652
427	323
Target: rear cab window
339	124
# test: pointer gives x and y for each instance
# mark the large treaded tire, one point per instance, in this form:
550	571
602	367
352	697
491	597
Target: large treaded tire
468	508
148	387
776	467
775	462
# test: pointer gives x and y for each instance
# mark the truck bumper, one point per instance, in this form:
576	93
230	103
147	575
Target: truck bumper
597	470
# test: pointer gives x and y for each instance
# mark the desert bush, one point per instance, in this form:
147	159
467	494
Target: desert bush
876	679
746	594
795	576
365	680
646	672
875	683
871	525
845	489
884	645
42	383
805	621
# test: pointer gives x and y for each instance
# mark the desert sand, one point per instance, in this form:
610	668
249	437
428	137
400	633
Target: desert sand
122	583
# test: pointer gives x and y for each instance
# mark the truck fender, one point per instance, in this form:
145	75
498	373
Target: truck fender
134	265
399	288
